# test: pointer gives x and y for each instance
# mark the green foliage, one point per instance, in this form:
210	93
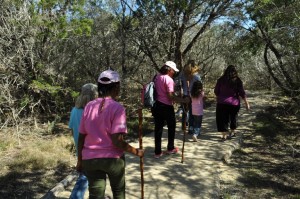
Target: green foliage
82	26
74	94
3	146
41	85
25	101
273	28
59	19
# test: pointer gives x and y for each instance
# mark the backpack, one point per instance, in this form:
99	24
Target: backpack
148	94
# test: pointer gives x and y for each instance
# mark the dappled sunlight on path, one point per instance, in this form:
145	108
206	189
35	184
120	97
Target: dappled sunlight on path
198	176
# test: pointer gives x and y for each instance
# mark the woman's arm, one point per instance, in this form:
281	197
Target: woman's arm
176	99
81	139
119	142
242	93
246	103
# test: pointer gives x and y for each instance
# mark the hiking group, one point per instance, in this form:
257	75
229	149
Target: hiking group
98	122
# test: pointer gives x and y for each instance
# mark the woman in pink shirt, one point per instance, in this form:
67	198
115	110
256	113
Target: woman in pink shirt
228	90
101	145
164	109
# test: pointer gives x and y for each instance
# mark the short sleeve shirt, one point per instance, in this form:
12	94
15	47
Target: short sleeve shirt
164	84
98	126
187	89
75	117
228	95
197	104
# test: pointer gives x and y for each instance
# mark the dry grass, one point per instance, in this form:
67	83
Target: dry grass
33	161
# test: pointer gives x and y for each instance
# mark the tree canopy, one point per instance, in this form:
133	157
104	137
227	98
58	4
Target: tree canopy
49	48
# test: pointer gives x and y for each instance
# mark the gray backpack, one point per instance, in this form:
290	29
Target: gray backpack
149	94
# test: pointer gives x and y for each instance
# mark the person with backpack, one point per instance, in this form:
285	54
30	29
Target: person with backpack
197	95
228	90
163	108
88	93
101	143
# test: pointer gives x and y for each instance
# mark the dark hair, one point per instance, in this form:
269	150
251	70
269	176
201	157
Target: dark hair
231	76
197	88
105	89
164	69
230	72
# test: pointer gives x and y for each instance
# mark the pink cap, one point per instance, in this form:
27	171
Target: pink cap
108	77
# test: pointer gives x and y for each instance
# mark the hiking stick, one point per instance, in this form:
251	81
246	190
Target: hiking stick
140	111
183	129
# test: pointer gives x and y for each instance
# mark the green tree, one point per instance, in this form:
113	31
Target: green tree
33	34
163	28
274	28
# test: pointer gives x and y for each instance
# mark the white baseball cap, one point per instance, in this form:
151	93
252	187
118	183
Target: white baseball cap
172	65
108	77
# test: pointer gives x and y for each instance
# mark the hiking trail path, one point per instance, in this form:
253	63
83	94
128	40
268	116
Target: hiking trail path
198	177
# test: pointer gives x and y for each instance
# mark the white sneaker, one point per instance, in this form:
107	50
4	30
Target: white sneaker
195	138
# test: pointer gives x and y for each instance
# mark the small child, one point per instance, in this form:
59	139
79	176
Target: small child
197	95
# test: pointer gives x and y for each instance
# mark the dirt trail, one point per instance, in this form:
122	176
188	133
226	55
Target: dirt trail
198	176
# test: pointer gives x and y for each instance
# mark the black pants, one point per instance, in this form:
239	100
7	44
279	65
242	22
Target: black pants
226	114
164	113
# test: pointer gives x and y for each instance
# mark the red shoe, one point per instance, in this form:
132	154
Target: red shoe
158	155
175	150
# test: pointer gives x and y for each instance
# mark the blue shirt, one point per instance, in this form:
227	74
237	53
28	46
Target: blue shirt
187	90
74	122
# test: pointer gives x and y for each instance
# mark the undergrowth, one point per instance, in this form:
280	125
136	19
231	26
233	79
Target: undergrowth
269	160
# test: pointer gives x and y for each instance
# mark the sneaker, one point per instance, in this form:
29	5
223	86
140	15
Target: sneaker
195	138
232	133
158	155
175	150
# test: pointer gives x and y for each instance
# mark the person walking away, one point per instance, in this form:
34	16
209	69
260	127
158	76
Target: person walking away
88	93
189	76
228	90
178	92
101	145
164	109
197	95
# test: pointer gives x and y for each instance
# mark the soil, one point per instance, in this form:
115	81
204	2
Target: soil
266	166
268	162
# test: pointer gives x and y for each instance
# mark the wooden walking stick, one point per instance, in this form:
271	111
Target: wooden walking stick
184	116
185	108
140	111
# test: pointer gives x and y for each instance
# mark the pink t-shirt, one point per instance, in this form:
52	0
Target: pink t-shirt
164	84
98	126
197	105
